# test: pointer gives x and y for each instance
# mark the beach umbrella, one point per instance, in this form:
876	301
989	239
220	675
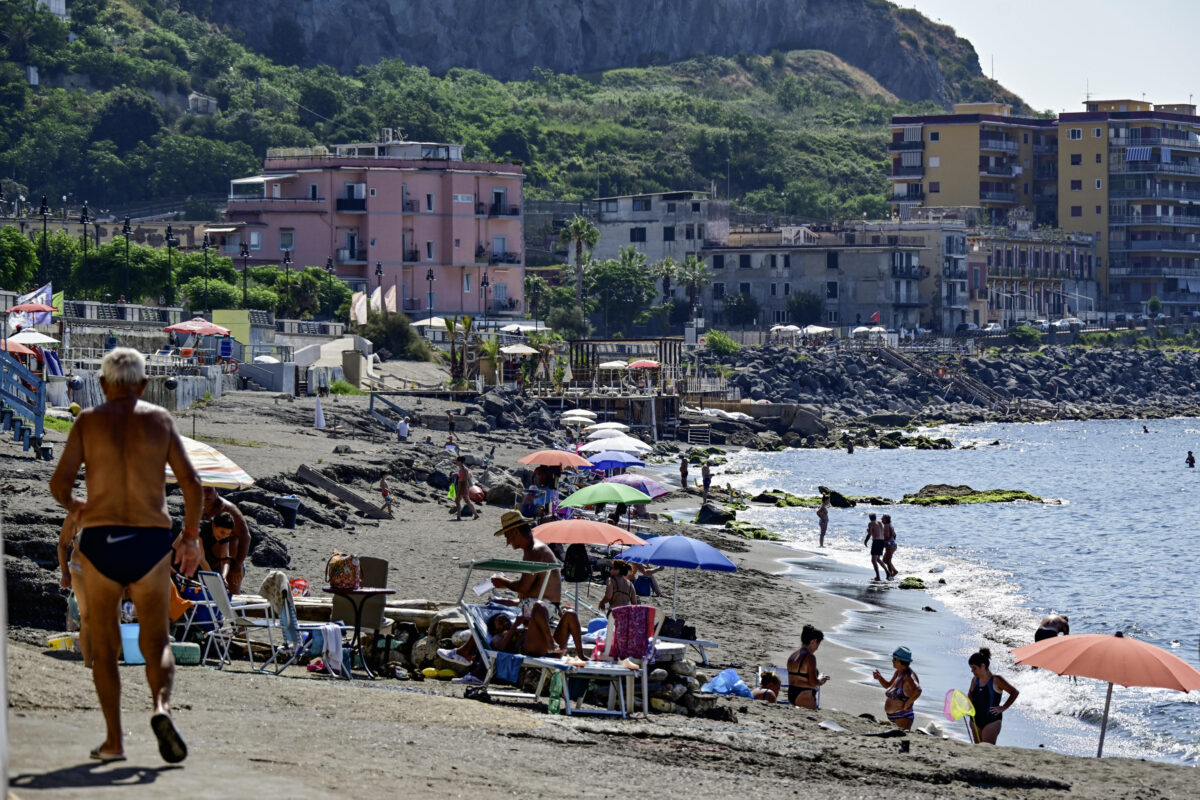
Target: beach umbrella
605	493
608	426
430	322
266	360
792	328
518	350
625	444
645	363
1115	659
860	330
584	531
778	328
16	348
554	458
30	336
814	330
579	412
642	483
572	421
197	326
214	468
679	552
30	308
613	365
606	433
611	459
522	327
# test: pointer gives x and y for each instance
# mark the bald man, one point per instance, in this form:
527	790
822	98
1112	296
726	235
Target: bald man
126	540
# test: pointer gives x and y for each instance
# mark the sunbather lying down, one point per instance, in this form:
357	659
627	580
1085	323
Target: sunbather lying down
529	634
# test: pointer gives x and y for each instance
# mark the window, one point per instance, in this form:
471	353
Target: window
372	191
695	208
637	234
312	191
1025	138
787	289
1098	210
1099	160
1076	186
1097	133
718	262
831	316
429	251
831	260
1074	133
641	204
787	262
700	230
831	290
935	161
457	243
934	136
935	187
464	198
718	291
773	260
689	231
774	289
608	205
287	239
1026	188
781	315
668	233
255	240
744	261
670	208
467	282
1076	159
429	202
744	288
1099	183
1076	211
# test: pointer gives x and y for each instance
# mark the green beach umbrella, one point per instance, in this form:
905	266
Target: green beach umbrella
605	493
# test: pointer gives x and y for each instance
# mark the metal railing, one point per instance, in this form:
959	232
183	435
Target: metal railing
1153	193
918	144
907	172
351	204
1152	166
1143	246
1155	219
505	258
998	197
1002	145
998	170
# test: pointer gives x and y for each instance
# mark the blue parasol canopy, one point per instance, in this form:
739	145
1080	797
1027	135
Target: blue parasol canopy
679	551
612	459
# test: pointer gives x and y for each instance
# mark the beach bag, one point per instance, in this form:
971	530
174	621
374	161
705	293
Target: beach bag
343	571
672	628
577	567
727	682
299	587
475	494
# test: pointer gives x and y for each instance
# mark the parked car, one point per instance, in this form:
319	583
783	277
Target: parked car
993	327
1042	325
966	329
1066	323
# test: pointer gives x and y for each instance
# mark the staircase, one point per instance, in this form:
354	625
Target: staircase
699	434
979	392
23	406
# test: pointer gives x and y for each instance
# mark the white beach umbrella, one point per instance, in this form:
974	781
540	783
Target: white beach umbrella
792	328
814	330
573	421
518	350
614	365
878	329
861	330
30	336
431	322
621	444
608	426
579	412
605	434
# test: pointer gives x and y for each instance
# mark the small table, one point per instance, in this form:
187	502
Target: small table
358	597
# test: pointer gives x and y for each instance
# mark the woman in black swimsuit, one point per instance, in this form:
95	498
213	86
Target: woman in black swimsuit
803	678
985	693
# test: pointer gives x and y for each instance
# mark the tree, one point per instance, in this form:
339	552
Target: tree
129	116
62	251
804	308
18	260
693	276
1153	305
741	309
569	322
535	288
214	294
392	332
622	288
579	232
666	270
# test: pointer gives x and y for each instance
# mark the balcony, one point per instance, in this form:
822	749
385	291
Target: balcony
1045	149
411	256
1155	138
503	210
910	197
998	197
979	294
998	171
1155	246
1154	193
410	206
1118	269
352	205
954	274
505	258
916	273
1174	220
259	203
999	145
1043	174
956	300
901	147
908	172
1046	198
1131	167
351	257
506	305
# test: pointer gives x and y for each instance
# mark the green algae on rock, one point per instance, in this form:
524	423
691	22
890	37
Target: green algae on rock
912	583
940	494
749	531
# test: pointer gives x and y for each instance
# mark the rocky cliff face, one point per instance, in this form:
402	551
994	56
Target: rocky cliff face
906	53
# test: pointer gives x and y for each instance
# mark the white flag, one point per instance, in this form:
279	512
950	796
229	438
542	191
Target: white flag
389	299
358	308
377	299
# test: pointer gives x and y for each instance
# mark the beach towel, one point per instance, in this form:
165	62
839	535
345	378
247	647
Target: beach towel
508	667
331	647
632	628
273	588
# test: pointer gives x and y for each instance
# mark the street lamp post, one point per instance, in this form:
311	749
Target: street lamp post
126	231
245	254
171	242
484	284
537	296
287	272
207	243
329	272
85	219
45	212
379	281
429	294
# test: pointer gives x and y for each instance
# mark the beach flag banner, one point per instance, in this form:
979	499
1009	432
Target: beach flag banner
389	300
358	308
22	319
58	301
875	317
377	299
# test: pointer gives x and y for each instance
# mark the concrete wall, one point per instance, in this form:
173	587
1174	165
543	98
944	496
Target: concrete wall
272	377
189	389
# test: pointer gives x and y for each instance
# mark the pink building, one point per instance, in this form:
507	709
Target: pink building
444	232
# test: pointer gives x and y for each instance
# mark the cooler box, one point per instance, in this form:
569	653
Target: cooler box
131	653
288	505
187	654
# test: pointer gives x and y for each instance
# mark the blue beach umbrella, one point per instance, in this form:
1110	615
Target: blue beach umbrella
612	459
680	552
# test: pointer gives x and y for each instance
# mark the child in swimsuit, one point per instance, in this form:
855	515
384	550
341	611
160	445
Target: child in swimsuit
903	689
387	495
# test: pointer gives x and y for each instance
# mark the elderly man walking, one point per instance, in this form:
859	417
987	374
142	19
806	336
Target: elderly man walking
126	540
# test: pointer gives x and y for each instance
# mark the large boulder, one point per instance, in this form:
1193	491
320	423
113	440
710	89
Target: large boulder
807	422
713	514
836	499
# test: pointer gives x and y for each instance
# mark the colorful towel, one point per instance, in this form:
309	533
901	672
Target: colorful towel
632	628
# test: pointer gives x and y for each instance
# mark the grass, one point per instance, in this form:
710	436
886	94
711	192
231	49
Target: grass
238	442
57	424
344	387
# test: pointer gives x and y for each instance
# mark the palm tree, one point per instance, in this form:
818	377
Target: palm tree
464	324
579	231
693	275
452	335
666	271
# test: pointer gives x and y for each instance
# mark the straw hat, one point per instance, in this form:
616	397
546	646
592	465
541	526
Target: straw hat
510	520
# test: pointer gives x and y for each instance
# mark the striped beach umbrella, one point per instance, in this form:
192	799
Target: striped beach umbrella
214	468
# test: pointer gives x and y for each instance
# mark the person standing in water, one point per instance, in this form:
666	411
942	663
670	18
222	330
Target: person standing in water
985	694
878	545
1190	460
889	546
683	472
823	516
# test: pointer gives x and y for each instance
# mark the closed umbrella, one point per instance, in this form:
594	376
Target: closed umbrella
1115	659
679	552
641	483
214	468
611	459
554	458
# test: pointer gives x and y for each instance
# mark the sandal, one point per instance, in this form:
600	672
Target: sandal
170	744
106	758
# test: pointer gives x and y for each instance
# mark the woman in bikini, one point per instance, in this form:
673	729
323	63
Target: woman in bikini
889	546
986	692
803	678
619	591
903	689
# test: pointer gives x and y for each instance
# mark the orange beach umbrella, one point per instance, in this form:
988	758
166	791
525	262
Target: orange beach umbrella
584	531
1115	659
555	458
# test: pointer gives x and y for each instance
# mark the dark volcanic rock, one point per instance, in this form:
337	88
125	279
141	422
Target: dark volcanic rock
713	514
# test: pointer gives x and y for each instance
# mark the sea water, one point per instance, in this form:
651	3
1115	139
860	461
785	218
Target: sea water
1119	552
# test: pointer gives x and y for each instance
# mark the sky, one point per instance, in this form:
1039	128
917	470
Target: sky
1052	52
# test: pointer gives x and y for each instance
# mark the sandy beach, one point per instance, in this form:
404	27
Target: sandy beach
297	735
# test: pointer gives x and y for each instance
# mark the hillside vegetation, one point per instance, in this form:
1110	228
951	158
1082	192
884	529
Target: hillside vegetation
800	132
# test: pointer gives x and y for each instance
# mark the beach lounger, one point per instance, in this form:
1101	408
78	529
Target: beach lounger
627	615
700	645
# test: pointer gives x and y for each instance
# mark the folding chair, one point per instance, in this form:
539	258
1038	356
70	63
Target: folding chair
232	621
292	632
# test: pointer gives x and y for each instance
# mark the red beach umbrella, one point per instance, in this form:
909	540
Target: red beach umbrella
31	308
16	348
198	326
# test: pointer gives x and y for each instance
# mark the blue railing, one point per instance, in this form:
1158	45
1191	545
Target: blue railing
23	391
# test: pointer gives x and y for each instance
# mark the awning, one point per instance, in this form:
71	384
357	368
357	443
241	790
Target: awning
1137	153
264	178
220	230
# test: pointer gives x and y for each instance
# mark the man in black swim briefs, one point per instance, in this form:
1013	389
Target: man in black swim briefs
126	538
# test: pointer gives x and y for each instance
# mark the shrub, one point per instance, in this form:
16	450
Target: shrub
1026	335
721	344
342	387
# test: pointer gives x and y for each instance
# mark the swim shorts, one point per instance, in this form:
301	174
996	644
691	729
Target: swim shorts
1044	633
877	547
